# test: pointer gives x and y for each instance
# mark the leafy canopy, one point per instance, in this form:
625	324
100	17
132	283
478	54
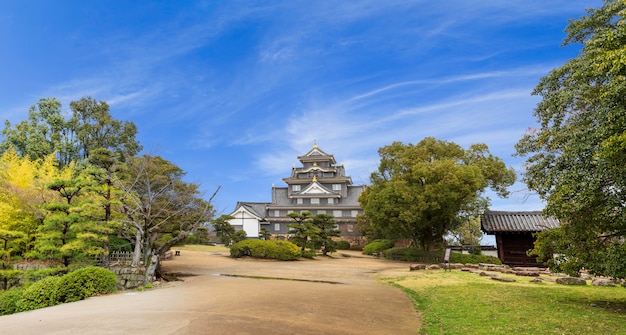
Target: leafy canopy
422	191
575	158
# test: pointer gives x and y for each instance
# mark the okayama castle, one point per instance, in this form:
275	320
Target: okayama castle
318	186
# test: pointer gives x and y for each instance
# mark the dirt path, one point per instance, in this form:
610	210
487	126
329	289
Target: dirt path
220	295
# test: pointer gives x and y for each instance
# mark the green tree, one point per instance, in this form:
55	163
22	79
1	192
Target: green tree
302	230
91	126
365	227
467	233
202	235
57	237
226	232
44	132
264	233
101	171
95	128
422	191
158	203
575	159
322	238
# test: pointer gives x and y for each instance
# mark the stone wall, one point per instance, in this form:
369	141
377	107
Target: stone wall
29	266
129	276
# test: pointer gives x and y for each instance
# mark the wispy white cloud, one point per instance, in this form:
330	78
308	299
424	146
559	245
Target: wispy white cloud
252	85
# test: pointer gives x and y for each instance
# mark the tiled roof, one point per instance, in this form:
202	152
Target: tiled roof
516	222
256	208
353	194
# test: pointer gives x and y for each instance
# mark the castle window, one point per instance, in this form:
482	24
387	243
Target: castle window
295	188
315	201
337	214
354	213
276	226
299	201
336	187
276	213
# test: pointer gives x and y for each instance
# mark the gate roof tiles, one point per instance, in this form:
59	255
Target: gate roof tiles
516	222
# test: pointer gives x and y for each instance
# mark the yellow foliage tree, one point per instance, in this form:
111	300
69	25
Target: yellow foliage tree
22	193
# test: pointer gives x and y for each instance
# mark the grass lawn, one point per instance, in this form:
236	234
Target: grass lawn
464	303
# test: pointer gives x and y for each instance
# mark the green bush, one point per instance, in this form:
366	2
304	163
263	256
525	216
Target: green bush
456	257
9	299
415	255
436	257
40	294
36	275
310	254
343	245
86	282
272	249
377	246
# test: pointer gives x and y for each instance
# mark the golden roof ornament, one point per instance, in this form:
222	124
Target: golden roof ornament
315	178
314	144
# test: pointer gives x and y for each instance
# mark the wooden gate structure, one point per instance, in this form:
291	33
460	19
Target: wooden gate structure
514	234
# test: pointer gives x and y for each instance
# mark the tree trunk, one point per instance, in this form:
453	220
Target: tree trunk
429	240
137	251
151	268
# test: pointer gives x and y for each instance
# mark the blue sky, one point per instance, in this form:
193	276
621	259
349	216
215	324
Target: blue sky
233	91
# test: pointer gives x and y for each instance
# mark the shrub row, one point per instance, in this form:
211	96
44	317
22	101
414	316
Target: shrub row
414	255
342	245
54	290
377	246
272	249
456	257
436	257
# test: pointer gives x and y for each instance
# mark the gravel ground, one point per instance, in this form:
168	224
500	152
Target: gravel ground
221	295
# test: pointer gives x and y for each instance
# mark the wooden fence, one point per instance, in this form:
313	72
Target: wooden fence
120	257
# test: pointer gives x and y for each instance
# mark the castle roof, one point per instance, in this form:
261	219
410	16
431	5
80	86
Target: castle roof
316	154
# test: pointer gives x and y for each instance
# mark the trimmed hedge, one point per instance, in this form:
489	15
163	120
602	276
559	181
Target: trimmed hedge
456	257
414	255
343	245
377	246
77	285
86	282
436	257
272	249
40	294
9	299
